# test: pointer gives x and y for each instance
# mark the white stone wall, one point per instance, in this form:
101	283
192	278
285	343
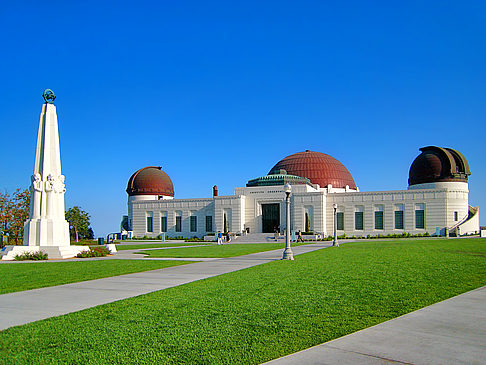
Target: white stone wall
440	205
234	207
258	195
244	209
312	202
186	207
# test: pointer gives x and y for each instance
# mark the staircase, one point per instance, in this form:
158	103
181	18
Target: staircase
473	213
257	238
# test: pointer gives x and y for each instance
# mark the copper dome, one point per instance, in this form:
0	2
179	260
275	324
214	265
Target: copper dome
437	164
150	180
318	167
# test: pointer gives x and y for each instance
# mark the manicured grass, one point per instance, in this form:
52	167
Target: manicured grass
157	245
260	313
25	276
225	250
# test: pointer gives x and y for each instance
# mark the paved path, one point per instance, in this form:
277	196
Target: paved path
33	305
449	332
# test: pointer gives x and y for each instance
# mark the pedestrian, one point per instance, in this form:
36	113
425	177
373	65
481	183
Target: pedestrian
228	237
299	237
220	238
277	233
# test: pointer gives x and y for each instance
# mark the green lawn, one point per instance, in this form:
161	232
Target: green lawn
226	250
26	276
254	315
157	245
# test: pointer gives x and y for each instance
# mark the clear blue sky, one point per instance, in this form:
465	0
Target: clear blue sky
218	92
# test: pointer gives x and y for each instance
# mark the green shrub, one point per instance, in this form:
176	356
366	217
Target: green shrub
194	239
100	251
31	256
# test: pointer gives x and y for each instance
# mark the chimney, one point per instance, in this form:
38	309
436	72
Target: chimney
215	191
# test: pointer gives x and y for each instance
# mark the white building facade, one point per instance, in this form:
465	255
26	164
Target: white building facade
436	201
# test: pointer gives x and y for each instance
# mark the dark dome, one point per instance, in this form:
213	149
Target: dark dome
318	167
437	164
150	180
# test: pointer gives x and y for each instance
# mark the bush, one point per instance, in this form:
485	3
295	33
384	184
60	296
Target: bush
391	235
194	239
31	256
94	252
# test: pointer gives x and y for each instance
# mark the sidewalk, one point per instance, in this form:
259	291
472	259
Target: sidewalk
33	305
449	332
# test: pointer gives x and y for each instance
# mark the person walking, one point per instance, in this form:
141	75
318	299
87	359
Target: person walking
220	238
228	237
299	237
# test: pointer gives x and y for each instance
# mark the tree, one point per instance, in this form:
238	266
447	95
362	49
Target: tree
79	225
5	212
14	211
21	207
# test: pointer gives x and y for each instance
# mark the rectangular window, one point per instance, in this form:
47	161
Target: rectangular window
178	226
358	220
163	224
379	220
340	221
150	224
193	223
209	223
419	219
456	216
399	219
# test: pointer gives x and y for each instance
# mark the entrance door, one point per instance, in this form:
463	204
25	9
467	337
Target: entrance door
270	217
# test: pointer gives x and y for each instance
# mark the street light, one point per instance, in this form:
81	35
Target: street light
288	254
335	240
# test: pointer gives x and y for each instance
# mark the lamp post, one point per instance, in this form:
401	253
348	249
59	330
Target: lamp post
288	254
335	241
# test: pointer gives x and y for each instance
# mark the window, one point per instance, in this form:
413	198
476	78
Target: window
379	217
193	223
163	224
420	216
399	219
227	216
399	216
209	223
150	222
358	218
340	221
456	216
378	220
308	218
178	222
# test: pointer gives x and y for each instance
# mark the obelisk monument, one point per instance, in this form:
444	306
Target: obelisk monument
46	229
47	225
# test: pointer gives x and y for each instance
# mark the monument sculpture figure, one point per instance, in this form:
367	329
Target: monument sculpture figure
46	229
35	195
48	96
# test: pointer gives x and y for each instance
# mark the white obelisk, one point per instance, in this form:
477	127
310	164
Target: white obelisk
46	229
47	225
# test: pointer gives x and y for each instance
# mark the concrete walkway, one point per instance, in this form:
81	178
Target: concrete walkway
449	332
33	305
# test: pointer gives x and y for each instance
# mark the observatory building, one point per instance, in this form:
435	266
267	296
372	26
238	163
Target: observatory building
323	191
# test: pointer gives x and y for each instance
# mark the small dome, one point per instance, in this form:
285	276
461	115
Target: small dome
150	180
437	164
318	167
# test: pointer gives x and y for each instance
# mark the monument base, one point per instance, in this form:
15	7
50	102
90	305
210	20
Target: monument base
8	253
46	232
